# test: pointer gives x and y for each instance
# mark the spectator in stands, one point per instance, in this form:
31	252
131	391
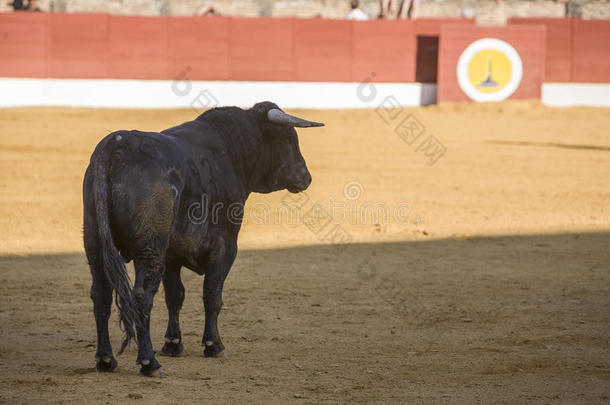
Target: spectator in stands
32	5
357	13
213	11
19	5
387	8
404	9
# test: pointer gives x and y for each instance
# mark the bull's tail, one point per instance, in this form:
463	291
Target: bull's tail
114	265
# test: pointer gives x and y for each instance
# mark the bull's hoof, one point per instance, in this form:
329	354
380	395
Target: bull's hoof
214	349
158	372
173	348
107	364
220	355
151	369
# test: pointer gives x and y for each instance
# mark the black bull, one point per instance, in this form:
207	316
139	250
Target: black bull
137	192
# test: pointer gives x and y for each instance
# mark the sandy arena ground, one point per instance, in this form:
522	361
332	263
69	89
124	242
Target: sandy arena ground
487	282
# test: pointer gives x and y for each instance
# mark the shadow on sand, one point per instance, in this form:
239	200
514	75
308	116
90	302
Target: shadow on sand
485	309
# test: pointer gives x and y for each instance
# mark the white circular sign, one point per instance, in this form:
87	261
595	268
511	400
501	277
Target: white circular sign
489	69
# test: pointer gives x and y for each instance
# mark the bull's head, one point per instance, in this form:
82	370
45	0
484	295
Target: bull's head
285	166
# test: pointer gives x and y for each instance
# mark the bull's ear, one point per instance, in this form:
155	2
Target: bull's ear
279	117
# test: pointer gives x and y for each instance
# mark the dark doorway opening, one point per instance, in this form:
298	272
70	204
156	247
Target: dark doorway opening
426	67
427	59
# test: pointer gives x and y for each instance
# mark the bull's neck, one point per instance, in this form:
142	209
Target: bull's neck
243	143
245	151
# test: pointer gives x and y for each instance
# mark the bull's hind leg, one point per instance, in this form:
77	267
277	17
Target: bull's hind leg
101	294
145	218
101	290
149	271
174	297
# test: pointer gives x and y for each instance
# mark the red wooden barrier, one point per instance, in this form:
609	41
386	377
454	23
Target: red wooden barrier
577	50
529	42
78	45
260	49
323	50
385	48
558	46
432	26
23	45
131	47
591	51
139	48
199	47
99	45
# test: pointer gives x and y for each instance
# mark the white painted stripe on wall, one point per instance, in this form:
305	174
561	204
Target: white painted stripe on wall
15	92
576	94
202	94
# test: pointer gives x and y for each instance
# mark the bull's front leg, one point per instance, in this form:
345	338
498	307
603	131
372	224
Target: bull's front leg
216	273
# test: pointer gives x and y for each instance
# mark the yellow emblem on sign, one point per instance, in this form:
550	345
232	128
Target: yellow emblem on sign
489	71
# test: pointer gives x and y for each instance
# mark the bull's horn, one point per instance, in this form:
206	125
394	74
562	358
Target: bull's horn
281	118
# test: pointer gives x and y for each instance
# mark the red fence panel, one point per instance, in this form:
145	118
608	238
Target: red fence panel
558	64
323	50
199	46
385	48
23	45
432	26
99	45
139	47
78	45
261	49
591	52
528	41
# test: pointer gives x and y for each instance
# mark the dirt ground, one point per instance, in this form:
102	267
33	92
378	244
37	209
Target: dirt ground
482	278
